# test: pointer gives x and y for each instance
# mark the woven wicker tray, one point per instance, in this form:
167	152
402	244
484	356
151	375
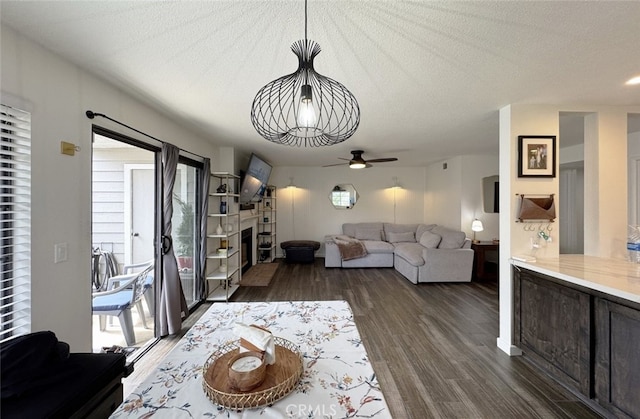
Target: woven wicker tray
281	377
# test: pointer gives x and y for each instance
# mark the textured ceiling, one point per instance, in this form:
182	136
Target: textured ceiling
429	76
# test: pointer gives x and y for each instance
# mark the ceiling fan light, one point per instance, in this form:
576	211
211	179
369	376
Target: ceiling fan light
633	81
357	165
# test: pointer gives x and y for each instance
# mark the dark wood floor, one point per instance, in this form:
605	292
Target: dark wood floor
433	346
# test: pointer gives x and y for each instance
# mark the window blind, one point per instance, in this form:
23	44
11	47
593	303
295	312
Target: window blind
15	222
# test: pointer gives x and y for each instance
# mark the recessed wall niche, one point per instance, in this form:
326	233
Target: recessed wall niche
490	194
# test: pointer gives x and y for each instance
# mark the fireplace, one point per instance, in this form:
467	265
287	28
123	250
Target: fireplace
246	249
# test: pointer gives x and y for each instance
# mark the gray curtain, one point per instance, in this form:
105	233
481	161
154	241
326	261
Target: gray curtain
173	306
201	282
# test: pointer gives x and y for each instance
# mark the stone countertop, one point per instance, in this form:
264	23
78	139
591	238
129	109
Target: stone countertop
611	276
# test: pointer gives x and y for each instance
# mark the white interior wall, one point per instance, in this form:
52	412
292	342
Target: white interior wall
518	120
633	168
474	169
305	212
443	193
57	94
453	196
574	153
605	177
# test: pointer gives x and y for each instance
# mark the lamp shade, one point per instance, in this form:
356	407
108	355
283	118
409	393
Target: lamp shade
476	225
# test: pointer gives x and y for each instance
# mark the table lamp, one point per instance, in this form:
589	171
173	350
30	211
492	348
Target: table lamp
476	225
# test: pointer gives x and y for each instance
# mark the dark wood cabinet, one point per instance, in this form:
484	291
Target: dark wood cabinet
585	339
552	327
617	358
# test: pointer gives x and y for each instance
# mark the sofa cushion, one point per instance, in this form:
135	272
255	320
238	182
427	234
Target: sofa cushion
407	236
377	246
430	240
451	239
350	228
368	233
399	228
422	228
411	252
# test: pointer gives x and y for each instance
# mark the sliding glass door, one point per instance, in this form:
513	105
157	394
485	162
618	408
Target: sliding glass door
126	211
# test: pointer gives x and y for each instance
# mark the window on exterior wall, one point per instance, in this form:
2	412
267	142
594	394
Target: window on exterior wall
15	222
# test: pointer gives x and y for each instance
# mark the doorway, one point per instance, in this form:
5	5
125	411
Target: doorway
123	234
139	203
571	183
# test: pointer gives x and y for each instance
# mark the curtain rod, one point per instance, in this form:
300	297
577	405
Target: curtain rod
91	115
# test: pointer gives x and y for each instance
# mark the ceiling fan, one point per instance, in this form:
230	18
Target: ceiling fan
357	162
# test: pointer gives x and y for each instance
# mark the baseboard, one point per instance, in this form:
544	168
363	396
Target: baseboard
508	348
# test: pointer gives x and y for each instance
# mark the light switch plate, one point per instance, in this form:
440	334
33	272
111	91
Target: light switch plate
61	251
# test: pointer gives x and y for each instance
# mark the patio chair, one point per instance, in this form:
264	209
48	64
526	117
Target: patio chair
124	292
148	291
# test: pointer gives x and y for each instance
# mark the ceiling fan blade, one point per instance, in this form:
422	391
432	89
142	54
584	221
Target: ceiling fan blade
382	160
337	164
342	158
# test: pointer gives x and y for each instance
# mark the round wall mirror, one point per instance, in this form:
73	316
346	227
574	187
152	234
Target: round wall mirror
343	196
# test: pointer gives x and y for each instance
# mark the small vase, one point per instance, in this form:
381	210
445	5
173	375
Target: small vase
219	229
223	207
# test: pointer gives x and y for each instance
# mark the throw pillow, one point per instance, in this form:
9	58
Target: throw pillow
368	234
430	240
408	236
422	228
451	239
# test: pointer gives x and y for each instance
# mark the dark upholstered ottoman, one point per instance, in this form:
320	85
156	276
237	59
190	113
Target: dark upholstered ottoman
300	251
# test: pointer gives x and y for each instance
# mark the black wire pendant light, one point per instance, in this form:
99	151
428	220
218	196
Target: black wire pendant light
305	107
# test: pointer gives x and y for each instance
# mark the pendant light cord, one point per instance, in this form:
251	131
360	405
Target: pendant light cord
305	23
306	43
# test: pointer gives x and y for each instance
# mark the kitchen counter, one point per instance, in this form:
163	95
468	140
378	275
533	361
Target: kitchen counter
611	276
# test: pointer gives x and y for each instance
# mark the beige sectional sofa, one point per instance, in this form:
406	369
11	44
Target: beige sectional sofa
420	252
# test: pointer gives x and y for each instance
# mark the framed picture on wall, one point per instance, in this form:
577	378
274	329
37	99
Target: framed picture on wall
536	156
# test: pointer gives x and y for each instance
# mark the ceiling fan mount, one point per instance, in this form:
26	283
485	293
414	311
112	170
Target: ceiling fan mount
357	162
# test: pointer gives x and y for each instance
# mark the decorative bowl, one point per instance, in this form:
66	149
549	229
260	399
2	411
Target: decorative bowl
247	370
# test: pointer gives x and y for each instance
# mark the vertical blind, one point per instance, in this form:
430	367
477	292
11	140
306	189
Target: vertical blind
15	222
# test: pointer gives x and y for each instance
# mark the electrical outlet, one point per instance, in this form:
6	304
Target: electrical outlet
60	252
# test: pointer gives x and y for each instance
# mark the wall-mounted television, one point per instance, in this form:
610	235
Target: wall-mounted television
255	180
